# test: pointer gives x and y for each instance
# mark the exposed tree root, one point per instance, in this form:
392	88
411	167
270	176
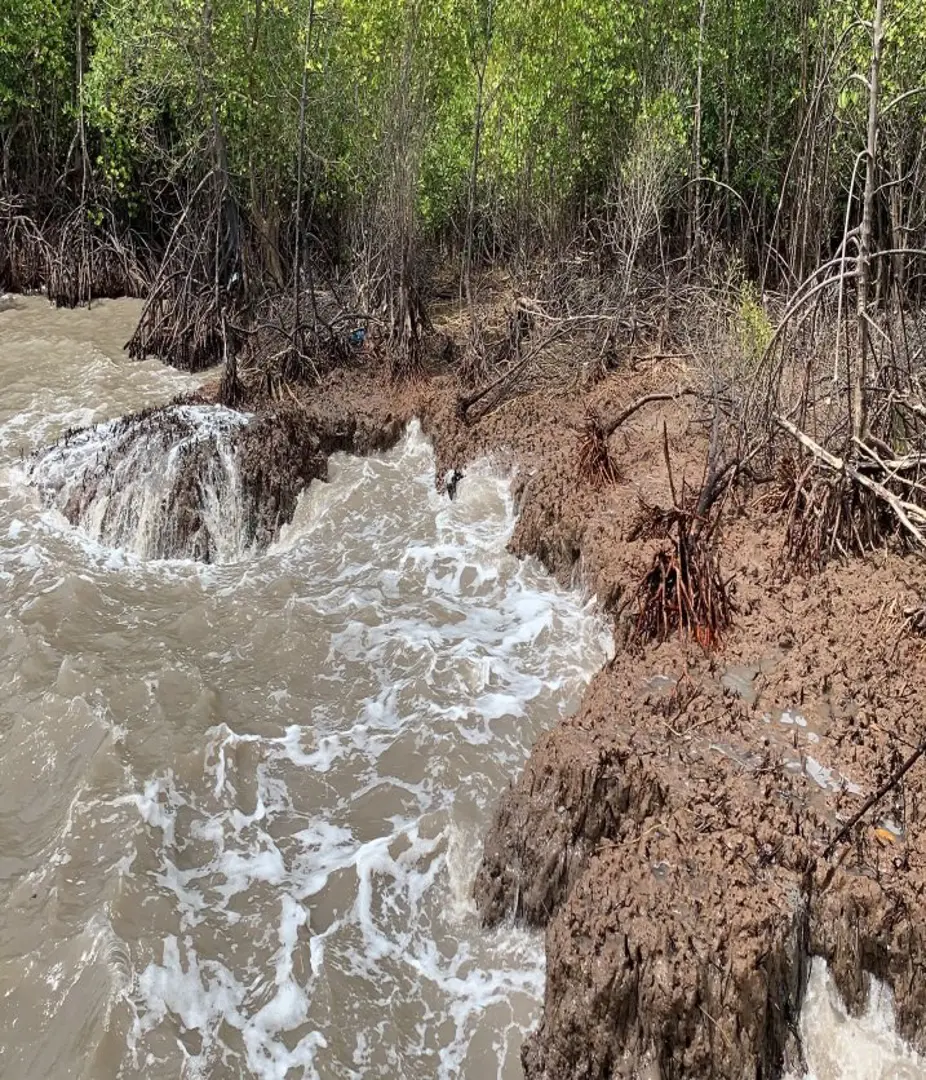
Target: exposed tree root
181	323
25	254
74	261
407	322
838	506
94	261
596	466
829	517
683	592
275	352
474	367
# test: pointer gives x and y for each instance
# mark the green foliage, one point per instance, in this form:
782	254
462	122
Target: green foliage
569	90
36	55
752	325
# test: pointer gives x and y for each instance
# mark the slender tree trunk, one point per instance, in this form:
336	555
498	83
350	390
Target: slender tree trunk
84	289
468	239
480	63
728	68
297	255
860	377
228	240
695	218
897	229
81	124
264	221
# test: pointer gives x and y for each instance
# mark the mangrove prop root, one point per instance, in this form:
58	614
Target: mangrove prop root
75	260
684	592
596	466
841	505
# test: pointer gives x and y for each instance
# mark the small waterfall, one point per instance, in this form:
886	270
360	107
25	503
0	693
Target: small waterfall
164	484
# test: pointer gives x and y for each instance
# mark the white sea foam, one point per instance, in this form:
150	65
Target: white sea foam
328	839
839	1047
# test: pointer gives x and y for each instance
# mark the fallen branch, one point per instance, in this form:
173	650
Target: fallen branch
892	465
466	402
647	399
873	799
902	510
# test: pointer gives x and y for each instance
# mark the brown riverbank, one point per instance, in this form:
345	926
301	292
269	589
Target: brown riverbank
670	836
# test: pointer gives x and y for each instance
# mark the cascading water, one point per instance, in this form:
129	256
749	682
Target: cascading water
163	485
841	1047
243	803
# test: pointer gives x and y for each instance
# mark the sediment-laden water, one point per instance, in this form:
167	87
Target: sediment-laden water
242	804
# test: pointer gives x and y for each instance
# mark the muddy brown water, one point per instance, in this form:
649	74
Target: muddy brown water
242	805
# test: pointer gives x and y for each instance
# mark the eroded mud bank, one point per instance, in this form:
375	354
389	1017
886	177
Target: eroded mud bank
670	835
192	479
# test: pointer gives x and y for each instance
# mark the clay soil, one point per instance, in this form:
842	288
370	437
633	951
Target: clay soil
670	836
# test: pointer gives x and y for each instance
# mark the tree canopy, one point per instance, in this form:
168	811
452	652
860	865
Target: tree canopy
766	97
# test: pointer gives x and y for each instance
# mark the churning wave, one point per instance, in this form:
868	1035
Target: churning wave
163	485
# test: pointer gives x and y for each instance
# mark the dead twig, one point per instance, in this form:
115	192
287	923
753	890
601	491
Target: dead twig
872	800
647	399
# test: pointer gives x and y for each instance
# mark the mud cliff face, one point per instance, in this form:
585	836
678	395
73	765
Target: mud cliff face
671	870
671	836
681	949
664	962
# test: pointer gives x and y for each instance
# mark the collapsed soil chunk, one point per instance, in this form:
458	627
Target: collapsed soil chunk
673	960
186	481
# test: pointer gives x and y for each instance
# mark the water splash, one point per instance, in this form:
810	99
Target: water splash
840	1047
163	485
